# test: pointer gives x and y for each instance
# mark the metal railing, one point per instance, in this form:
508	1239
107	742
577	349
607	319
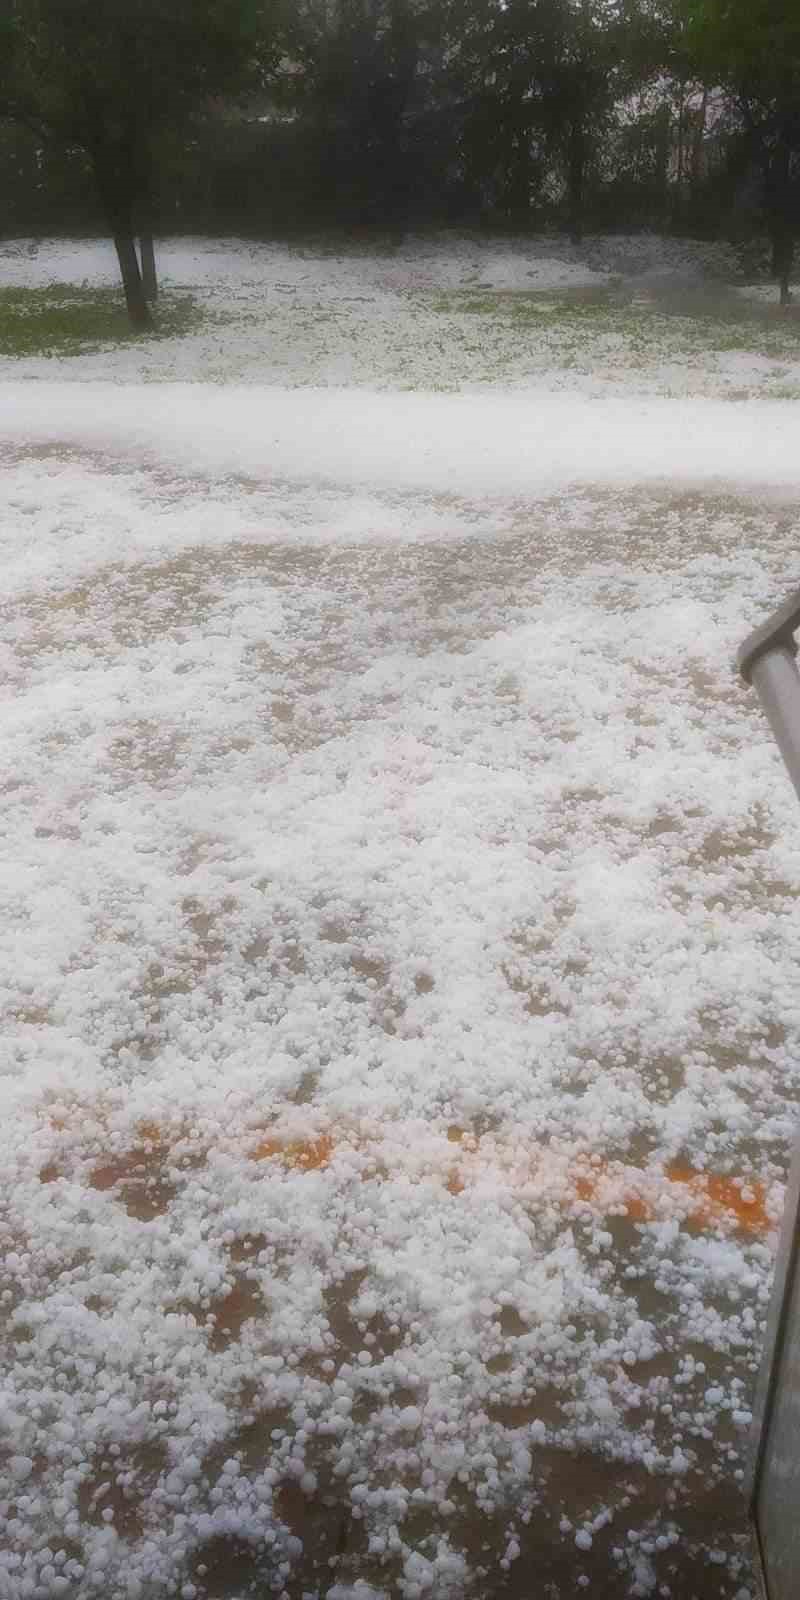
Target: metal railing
767	660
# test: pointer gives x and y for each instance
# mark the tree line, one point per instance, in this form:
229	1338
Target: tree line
262	115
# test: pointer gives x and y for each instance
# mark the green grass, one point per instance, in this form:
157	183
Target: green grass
681	325
63	319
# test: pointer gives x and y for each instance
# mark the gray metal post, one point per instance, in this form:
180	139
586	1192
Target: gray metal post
767	660
775	678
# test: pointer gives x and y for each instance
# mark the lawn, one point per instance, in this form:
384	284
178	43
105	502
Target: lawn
399	934
592	330
69	319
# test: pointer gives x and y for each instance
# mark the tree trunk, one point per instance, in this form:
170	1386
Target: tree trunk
520	178
576	167
681	117
697	141
114	177
149	275
782	261
135	298
780	222
662	150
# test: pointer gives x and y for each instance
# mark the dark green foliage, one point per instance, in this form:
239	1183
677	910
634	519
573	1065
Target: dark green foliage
45	188
752	49
538	82
108	76
83	69
264	115
362	83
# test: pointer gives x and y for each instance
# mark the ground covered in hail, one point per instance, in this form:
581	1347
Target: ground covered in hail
399	928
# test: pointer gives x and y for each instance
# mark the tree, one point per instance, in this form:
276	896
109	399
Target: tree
540	83
751	48
355	80
107	76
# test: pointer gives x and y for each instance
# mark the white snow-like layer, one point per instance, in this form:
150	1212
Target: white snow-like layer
433	314
431	261
503	446
398	917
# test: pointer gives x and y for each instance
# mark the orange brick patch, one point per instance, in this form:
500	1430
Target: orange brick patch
700	1199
